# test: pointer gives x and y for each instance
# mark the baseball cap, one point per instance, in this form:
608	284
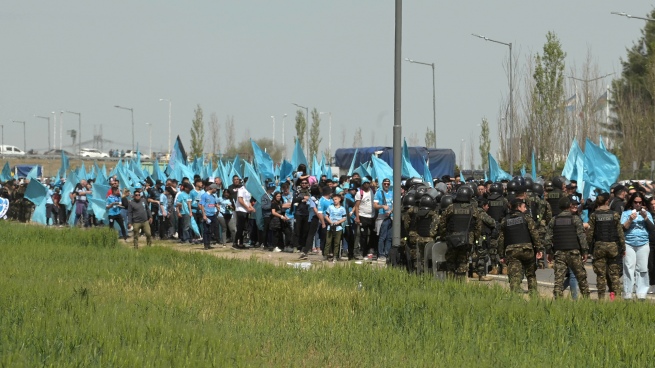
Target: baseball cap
365	180
270	185
574	199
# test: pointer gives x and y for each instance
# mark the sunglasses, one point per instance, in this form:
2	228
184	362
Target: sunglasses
639	201
137	194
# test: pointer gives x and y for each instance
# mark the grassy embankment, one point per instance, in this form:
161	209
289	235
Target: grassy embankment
79	298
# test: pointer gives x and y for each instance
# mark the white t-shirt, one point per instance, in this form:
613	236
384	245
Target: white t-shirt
366	204
245	194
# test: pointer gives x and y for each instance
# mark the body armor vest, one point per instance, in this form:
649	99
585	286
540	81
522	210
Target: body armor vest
564	234
462	218
497	208
553	199
423	224
605	229
516	230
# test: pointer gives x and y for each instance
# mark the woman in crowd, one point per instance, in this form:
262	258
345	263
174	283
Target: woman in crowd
637	222
279	223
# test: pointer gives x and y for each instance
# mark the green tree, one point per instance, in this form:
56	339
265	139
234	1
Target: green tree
197	133
301	127
485	143
314	133
633	100
430	138
548	97
244	149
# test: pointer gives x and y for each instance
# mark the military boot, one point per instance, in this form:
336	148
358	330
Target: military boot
494	270
475	275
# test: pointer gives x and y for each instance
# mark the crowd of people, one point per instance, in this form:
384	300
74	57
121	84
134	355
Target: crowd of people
511	227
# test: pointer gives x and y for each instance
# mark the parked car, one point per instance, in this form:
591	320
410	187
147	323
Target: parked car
92	152
11	150
132	154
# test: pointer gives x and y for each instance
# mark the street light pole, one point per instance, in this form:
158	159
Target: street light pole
150	137
169	123
329	133
511	100
632	16
283	121
54	130
586	96
79	127
132	112
434	98
46	118
24	135
2	146
273	117
306	127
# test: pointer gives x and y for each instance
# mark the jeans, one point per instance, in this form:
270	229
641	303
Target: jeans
186	228
242	221
635	271
119	220
573	283
207	230
384	243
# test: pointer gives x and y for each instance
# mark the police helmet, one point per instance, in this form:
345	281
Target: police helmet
548	185
529	184
446	200
427	202
538	188
520	184
409	199
512	187
496	188
464	194
558	181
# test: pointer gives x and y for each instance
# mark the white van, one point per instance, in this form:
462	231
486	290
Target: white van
10	150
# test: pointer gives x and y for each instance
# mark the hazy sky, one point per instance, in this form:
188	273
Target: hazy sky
252	59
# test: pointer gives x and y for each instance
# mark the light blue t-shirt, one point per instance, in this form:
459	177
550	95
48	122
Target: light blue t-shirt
223	203
208	201
336	214
324	204
288	199
113	210
388	200
637	234
48	197
183	198
311	204
163	203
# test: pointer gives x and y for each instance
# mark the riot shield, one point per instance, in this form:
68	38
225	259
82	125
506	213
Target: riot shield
439	260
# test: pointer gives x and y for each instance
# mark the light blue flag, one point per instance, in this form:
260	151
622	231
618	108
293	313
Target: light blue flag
6	173
461	177
194	226
263	162
534	168
495	172
361	170
570	170
327	170
104	171
602	167
352	163
523	171
65	165
157	173
286	170
408	170
298	156
236	166
68	187
36	193
178	155
277	171
601	143
196	165
316	168
34	173
124	181
382	169
98	200
427	175
485	176
254	186
217	173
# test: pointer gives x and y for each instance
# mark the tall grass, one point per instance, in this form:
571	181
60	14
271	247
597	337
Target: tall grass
75	298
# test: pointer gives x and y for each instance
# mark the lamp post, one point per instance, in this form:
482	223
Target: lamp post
132	112
306	125
169	123
273	117
150	137
61	128
79	128
46	118
511	100
2	145
632	16
24	135
283	141
434	98
329	133
54	130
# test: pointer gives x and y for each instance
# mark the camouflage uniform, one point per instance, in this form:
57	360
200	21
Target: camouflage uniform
541	215
605	224
567	251
415	244
483	247
520	256
498	209
457	258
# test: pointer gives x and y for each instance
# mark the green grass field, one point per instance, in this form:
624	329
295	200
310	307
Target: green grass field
79	298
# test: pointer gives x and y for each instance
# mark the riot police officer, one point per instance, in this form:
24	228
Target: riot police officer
423	225
498	209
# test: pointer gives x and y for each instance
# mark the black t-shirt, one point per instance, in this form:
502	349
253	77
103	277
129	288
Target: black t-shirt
233	189
277	206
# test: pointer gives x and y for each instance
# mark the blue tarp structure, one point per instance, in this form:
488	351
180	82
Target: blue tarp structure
21	171
441	161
